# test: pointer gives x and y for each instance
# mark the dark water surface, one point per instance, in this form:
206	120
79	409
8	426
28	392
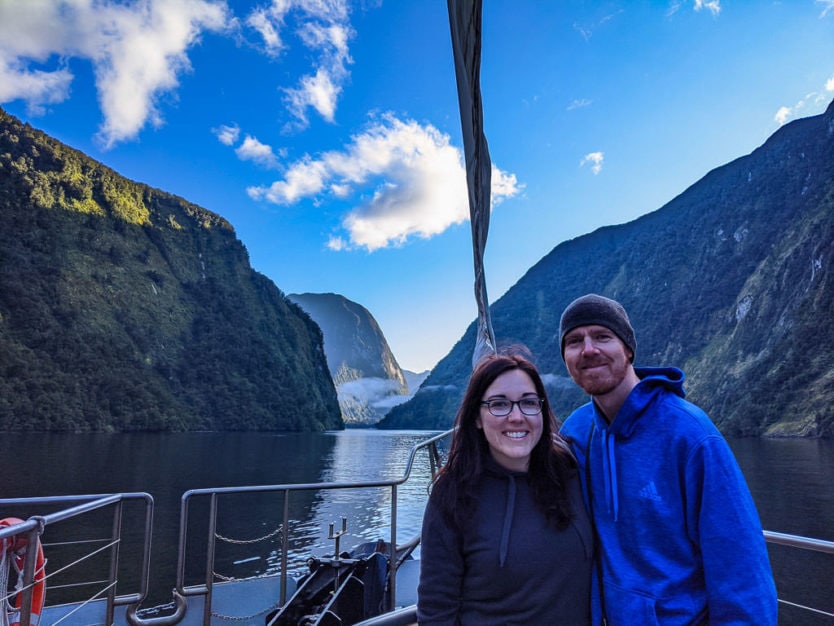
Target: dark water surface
167	465
792	482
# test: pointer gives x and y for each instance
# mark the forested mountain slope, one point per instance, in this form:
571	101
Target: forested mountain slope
731	280
126	308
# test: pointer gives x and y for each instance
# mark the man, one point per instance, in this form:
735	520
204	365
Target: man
680	541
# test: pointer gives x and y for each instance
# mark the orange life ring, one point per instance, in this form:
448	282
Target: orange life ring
16	547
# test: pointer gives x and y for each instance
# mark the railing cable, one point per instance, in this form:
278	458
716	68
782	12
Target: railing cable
272	534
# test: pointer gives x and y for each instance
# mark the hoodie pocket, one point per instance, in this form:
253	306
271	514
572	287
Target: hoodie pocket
626	607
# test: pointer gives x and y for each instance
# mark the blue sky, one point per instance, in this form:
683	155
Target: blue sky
327	131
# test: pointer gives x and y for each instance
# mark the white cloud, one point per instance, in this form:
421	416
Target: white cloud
502	185
713	6
304	179
782	115
137	50
37	88
260	20
340	191
337	244
587	31
227	135
579	103
380	394
253	150
413	181
367	390
827	6
32	31
383	405
318	91
813	101
596	160
323	27
583	31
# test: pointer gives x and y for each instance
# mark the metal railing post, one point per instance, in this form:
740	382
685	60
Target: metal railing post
392	559
205	590
114	562
29	564
212	534
285	545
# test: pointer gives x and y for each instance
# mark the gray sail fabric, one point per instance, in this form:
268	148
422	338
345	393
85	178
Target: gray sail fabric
465	23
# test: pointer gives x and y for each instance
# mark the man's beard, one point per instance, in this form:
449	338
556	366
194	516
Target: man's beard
602	381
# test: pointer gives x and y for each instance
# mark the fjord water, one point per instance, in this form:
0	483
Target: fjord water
167	465
792	481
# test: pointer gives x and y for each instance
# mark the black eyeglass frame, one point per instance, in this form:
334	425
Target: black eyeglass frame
538	409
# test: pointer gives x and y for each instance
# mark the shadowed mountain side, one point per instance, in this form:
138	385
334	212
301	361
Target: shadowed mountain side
367	376
731	280
125	308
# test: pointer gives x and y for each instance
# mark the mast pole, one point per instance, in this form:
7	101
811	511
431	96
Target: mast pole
465	25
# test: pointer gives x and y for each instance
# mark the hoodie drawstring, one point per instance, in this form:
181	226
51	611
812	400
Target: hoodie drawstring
508	521
609	470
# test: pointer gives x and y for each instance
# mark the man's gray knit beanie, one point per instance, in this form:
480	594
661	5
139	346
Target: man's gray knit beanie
601	311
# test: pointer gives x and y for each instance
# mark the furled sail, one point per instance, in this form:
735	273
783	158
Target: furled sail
465	23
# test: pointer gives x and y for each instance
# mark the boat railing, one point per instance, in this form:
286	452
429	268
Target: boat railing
66	558
408	615
214	495
802	543
104	540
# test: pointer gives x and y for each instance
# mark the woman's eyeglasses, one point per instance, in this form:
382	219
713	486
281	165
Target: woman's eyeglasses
501	407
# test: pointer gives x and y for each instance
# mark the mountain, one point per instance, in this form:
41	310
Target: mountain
124	308
731	280
367	376
415	379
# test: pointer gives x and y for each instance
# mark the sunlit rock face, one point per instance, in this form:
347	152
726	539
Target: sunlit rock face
368	379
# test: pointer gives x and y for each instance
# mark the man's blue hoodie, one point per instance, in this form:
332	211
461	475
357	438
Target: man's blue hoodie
679	535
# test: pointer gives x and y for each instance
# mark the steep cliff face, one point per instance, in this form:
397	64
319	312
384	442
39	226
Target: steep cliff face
731	280
126	308
367	376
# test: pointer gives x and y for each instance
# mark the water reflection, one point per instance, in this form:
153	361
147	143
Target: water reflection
368	456
349	457
790	481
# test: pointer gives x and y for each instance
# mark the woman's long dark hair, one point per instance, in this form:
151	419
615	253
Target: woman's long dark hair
550	466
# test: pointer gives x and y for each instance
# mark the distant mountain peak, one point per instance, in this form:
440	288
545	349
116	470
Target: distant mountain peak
367	376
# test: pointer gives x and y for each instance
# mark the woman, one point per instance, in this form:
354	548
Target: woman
506	538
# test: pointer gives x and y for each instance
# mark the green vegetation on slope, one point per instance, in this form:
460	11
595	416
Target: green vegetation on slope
126	308
731	280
